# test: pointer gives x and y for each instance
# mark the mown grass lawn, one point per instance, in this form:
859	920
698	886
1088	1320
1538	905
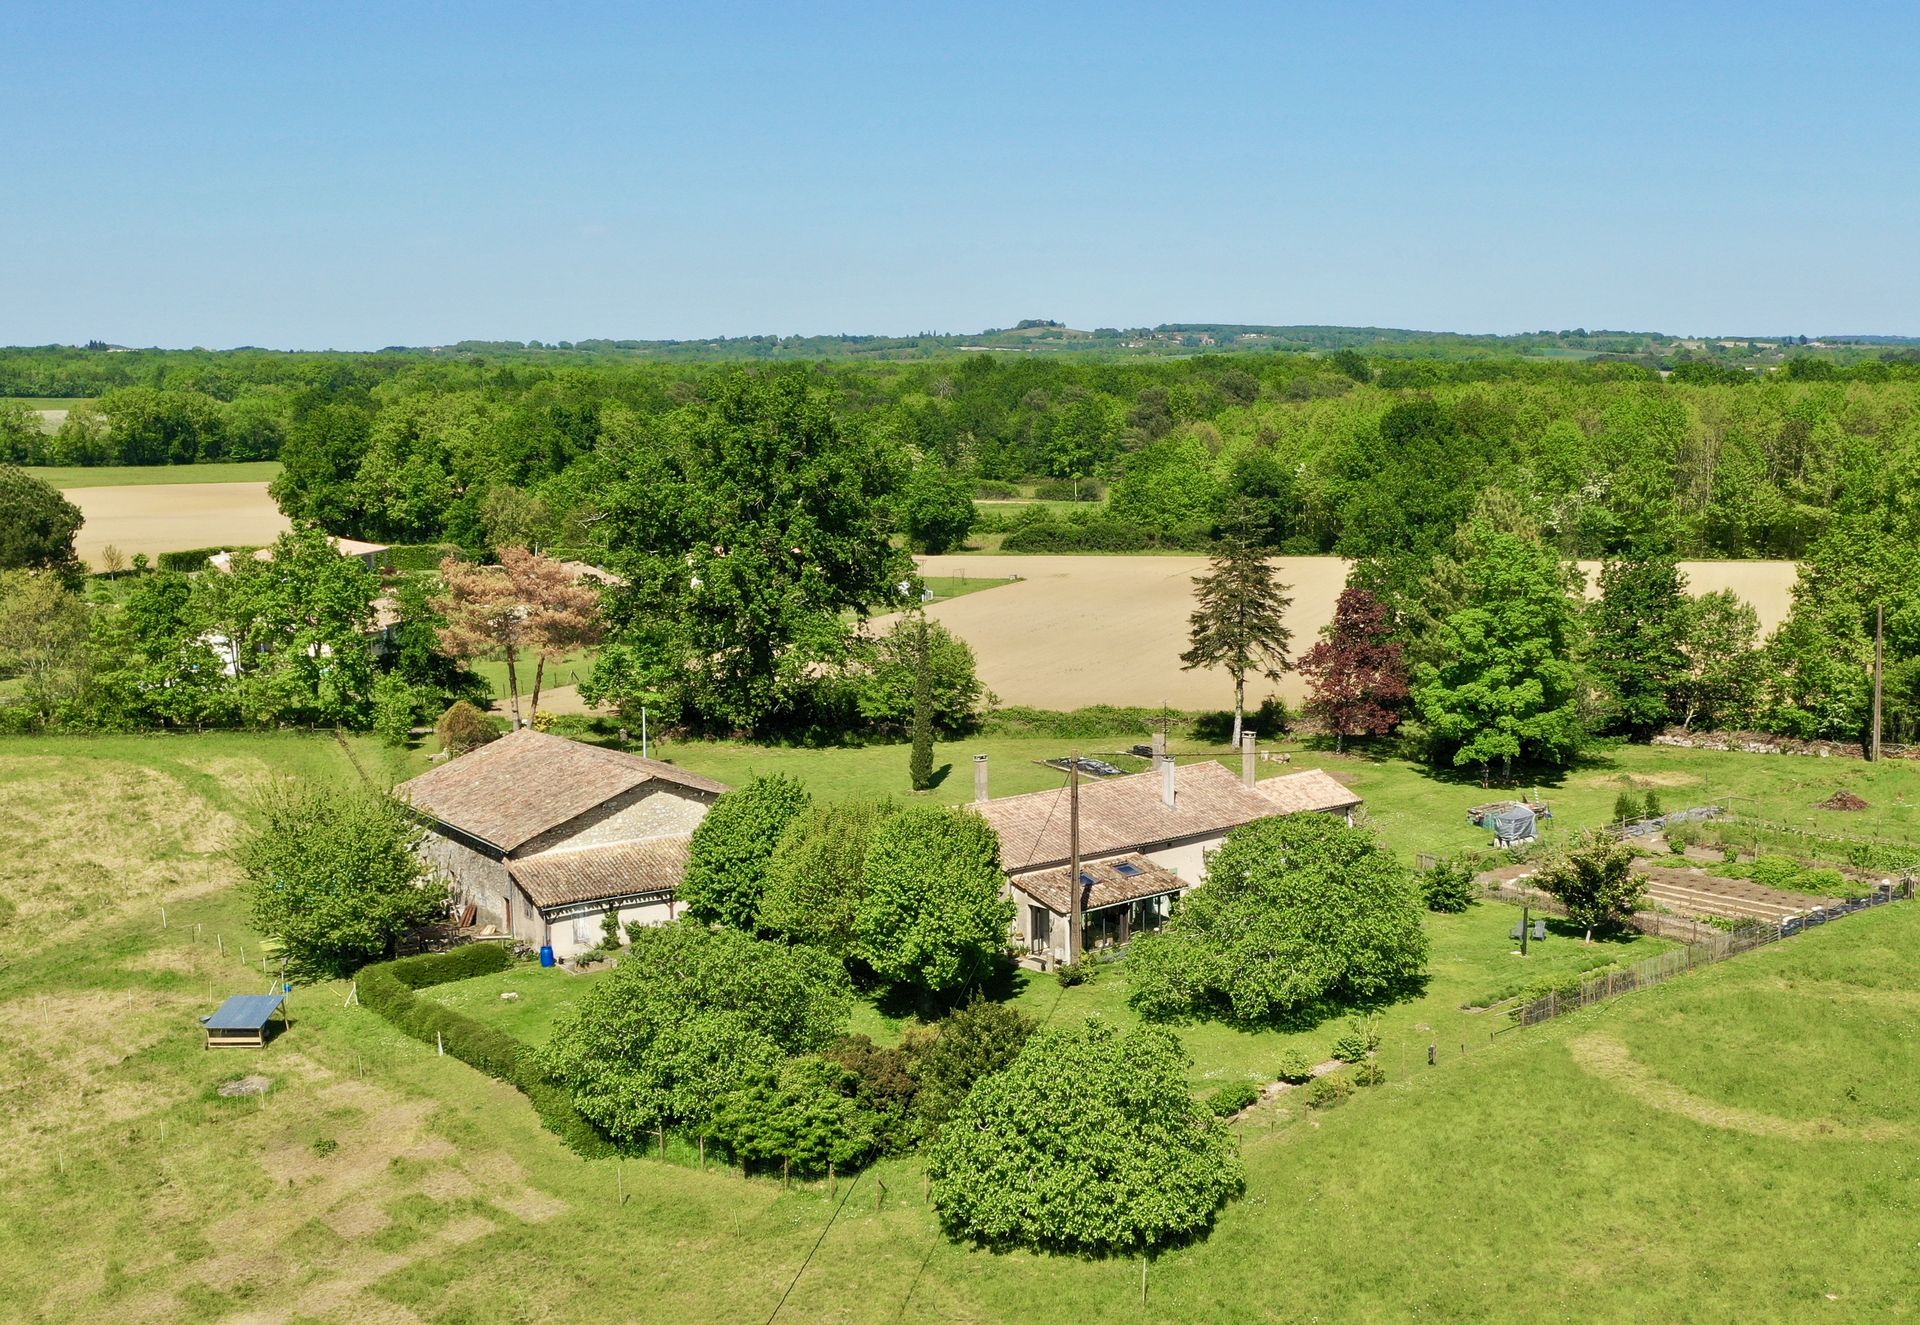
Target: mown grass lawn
126	476
1736	1145
1474	964
1414	809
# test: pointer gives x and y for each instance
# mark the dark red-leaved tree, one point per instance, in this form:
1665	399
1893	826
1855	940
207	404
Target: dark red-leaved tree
1356	678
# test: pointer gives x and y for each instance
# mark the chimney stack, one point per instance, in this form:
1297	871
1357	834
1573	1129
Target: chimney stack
979	778
1166	780
1247	774
1160	743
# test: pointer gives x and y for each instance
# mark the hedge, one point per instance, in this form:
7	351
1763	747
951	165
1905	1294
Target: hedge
388	989
419	556
195	558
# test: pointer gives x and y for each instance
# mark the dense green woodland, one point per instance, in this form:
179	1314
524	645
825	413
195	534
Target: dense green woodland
758	513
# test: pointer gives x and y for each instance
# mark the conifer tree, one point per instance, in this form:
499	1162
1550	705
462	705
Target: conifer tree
1240	623
920	766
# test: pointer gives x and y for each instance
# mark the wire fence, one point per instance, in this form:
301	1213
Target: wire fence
1706	947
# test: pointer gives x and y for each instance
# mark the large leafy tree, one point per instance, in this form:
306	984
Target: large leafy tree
887	673
1298	913
816	877
295	631
1502	682
751	528
1719	684
1356	676
1089	1142
1595	882
689	1018
1240	621
331	873
1635	645
934	915
935	508
43	640
733	847
37	526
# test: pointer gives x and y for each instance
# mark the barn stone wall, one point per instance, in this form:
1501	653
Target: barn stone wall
652	809
476	878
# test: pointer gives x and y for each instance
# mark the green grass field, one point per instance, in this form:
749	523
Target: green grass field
1736	1145
1474	964
570	670
1414	810
67	477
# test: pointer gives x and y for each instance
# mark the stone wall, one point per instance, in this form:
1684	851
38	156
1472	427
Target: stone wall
652	809
1760	743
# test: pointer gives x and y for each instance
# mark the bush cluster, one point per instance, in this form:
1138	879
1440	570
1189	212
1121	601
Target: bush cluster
1232	1098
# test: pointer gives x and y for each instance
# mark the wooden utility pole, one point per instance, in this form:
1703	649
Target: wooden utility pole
1073	857
1879	673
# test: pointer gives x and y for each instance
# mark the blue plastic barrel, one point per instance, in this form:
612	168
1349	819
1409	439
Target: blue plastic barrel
546	954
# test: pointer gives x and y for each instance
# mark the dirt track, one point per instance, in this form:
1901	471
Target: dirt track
168	517
1084	630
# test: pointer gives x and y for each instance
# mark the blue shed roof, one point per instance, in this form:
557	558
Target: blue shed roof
244	1012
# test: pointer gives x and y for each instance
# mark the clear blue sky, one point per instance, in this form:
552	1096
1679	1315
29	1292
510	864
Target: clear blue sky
345	176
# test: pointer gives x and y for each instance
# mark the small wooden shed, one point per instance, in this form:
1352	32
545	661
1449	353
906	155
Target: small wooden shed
242	1021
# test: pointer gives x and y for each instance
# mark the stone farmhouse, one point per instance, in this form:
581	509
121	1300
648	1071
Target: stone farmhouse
543	837
1144	840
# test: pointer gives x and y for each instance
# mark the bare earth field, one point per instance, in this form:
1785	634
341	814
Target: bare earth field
168	517
1080	630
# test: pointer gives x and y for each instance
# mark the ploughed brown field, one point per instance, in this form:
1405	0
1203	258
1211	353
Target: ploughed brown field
169	517
1080	630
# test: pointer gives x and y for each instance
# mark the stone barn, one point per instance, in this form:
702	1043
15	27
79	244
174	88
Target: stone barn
543	837
1144	840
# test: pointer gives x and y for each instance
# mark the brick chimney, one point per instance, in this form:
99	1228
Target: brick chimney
979	778
1247	774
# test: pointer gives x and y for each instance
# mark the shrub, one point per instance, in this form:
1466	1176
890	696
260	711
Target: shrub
1233	1098
394	702
1293	1067
1651	806
975	1042
993	489
1626	807
1369	1073
1325	1092
463	727
882	1081
1082	970
1595	881
1141	1166
1680	838
1448	887
1269	720
1360	1038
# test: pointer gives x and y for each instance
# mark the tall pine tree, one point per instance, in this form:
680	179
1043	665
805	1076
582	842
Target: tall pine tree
1241	621
920	765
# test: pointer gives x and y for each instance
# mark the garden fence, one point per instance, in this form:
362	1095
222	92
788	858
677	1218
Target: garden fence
1711	945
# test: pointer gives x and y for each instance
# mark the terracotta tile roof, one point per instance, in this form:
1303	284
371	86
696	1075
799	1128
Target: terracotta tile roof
596	874
1121	814
1111	884
1307	791
511	790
